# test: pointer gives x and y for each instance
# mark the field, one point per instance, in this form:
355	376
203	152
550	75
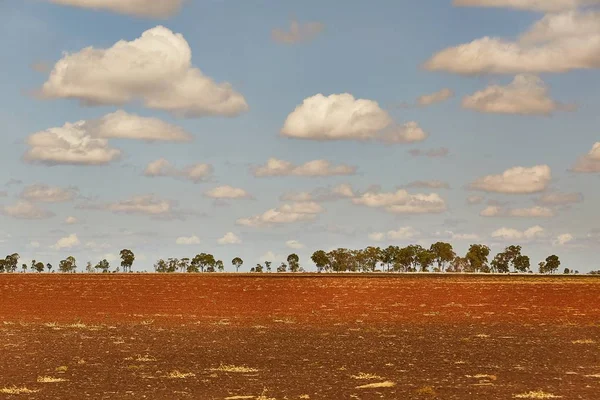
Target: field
147	336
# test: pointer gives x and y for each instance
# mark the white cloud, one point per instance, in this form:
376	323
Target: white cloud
195	173
432	153
342	191
459	236
435	184
123	125
508	234
48	194
525	95
530	212
517	180
530	5
342	117
187	241
298	32
436	97
589	162
227	192
229	238
144	204
402	202
69	144
563	239
67	242
315	168
475	199
286	214
71	220
556	43
560	199
294	244
26	210
404	233
297	196
273	258
139	8
155	69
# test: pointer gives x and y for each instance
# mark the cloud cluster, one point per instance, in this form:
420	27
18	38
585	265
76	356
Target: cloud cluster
589	162
227	192
67	242
517	180
294	244
559	42
529	212
437	97
563	239
342	191
404	233
509	234
525	95
187	240
342	117
286	214
559	199
47	194
26	210
402	202
315	168
138	8
155	69
195	173
298	32
229	238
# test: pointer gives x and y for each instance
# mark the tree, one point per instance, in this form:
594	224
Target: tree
339	259
220	266
425	258
258	268
444	254
268	266
172	265
237	263
103	266
204	260
39	267
161	266
500	263
567	271
403	259
477	257
293	261
88	267
321	260
373	256
459	264
550	266
184	264
67	265
521	263
387	256
11	262
127	259
49	267
282	267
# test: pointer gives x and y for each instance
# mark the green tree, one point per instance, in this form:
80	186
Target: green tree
88	268
24	267
550	266
258	268
184	264
282	267
444	254
103	266
67	265
268	266
293	261
49	267
11	262
204	260
127	259
321	260
388	256
237	263
39	267
373	256
567	271
220	266
501	263
403	259
521	263
161	266
477	257
425	258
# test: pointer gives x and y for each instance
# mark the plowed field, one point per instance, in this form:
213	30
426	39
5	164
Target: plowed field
146	336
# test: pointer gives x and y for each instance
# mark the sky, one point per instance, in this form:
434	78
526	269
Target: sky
263	128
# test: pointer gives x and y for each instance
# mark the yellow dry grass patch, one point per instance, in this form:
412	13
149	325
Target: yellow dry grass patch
377	385
234	368
238	397
17	390
583	341
536	395
50	379
180	375
483	377
364	376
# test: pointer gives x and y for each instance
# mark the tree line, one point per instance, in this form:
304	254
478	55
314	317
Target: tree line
439	257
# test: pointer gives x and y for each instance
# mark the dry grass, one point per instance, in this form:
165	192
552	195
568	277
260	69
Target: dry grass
483	377
234	368
17	390
364	376
426	391
536	395
50	379
62	369
238	397
377	385
180	375
583	341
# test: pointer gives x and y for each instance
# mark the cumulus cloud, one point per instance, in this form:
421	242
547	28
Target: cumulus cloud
435	184
437	97
342	117
67	242
187	241
71	220
458	236
432	153
286	214
402	202
525	95
229	238
529	5
144	205
563	239
26	210
589	162
227	192
155	69
517	180
315	168
560	199
48	194
294	244
404	233
559	42
342	191
195	173
475	199
508	234
529	212
138	8
298	32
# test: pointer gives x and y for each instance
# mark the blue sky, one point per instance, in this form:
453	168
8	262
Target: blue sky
388	56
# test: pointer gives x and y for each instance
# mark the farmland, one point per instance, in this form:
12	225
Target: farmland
132	336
